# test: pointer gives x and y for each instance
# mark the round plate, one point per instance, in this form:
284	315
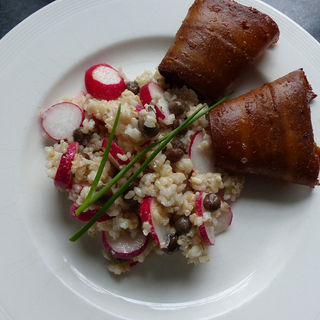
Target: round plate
266	266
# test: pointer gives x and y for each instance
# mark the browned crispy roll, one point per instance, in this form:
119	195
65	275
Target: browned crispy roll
216	40
268	132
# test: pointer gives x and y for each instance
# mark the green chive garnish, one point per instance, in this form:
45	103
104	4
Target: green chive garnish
163	142
125	169
104	159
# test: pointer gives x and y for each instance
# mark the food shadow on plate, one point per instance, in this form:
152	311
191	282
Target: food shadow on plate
267	189
250	78
167	267
63	209
170	268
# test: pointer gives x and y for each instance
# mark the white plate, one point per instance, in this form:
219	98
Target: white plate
266	266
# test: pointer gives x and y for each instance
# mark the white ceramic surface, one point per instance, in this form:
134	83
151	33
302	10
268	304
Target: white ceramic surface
265	267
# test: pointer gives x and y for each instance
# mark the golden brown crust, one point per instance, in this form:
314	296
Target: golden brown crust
268	132
215	41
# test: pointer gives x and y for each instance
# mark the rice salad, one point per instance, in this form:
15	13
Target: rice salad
174	185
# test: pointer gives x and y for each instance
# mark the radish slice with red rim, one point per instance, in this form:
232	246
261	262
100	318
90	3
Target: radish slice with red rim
63	178
224	221
60	120
201	160
104	82
125	246
87	215
207	234
139	108
159	232
207	231
150	92
159	113
116	154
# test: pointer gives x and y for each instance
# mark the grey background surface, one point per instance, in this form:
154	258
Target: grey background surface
304	12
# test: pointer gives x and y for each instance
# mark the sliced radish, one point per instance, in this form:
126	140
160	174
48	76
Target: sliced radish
104	82
97	120
139	108
159	113
63	178
207	231
87	215
159	232
224	221
201	160
60	120
125	247
150	92
115	154
163	114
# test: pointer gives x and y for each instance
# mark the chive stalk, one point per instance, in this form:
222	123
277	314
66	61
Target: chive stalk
164	141
88	201
104	158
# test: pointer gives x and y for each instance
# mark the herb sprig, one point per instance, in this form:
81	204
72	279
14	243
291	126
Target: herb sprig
163	142
88	201
104	159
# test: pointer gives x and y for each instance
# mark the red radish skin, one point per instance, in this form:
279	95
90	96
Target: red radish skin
149	92
133	263
191	143
63	178
125	247
199	207
200	159
224	221
98	120
160	233
60	120
145	95
104	82
81	188
152	93
86	215
163	114
113	154
159	113
139	108
207	232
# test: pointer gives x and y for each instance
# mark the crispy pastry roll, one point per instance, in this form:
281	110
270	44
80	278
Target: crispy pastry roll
216	40
268	132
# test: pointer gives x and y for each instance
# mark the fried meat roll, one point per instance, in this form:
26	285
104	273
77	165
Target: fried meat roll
217	39
268	132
